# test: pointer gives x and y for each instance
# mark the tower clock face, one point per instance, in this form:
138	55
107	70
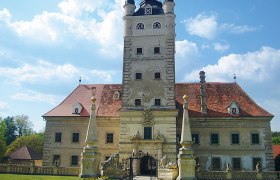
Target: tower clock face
148	11
157	25
140	26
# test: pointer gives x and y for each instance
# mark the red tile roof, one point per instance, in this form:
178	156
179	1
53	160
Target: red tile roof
276	150
219	97
25	153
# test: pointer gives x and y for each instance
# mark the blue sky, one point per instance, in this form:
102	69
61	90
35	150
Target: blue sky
45	46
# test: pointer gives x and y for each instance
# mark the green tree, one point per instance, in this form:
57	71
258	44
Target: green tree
3	148
276	134
10	132
34	141
276	140
23	125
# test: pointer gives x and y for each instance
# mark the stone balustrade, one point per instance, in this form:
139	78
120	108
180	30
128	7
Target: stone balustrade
237	175
44	170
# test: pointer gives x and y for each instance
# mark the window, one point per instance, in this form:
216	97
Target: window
148	10
178	138
138	75
147	133
74	160
255	138
139	51
76	110
233	110
156	25
156	50
157	102
75	137
255	162
137	102
109	138
56	160
140	26
58	137
157	75
195	138
235	138
216	163
214	138
236	163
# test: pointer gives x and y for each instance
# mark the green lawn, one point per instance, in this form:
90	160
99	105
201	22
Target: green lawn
35	177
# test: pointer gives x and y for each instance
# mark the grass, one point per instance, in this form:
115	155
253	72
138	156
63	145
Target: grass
35	177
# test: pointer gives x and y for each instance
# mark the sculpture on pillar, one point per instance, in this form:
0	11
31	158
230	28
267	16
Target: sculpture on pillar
186	158
90	157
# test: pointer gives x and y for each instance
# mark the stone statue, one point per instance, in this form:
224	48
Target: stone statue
112	162
164	163
159	136
228	167
258	167
135	136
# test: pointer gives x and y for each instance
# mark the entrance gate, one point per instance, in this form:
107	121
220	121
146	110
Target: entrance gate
148	166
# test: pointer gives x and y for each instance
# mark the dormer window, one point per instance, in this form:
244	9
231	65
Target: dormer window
77	108
116	95
148	10
233	108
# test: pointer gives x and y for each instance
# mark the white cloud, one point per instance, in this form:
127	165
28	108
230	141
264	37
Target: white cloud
186	48
33	96
231	28
103	76
38	72
207	26
5	15
221	47
202	25
3	105
256	66
88	20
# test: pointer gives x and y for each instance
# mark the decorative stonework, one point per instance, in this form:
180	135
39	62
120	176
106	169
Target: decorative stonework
148	118
136	136
159	136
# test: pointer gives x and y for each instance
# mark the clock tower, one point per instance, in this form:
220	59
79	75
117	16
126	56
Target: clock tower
148	114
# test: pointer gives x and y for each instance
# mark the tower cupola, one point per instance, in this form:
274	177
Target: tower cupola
129	7
149	7
168	6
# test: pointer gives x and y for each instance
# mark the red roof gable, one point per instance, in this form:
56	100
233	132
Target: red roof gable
276	151
219	97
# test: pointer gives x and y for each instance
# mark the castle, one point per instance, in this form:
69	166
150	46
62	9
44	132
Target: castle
143	115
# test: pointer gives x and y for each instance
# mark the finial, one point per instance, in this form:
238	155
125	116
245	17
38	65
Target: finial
93	91
234	77
80	80
186	98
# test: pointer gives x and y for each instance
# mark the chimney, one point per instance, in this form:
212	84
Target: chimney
203	92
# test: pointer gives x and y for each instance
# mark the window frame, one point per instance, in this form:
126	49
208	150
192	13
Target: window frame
110	140
235	140
214	140
255	141
138	76
148	133
138	102
196	140
157	50
139	51
76	160
157	75
58	139
75	137
157	102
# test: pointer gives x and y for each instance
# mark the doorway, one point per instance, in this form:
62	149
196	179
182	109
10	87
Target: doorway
148	166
